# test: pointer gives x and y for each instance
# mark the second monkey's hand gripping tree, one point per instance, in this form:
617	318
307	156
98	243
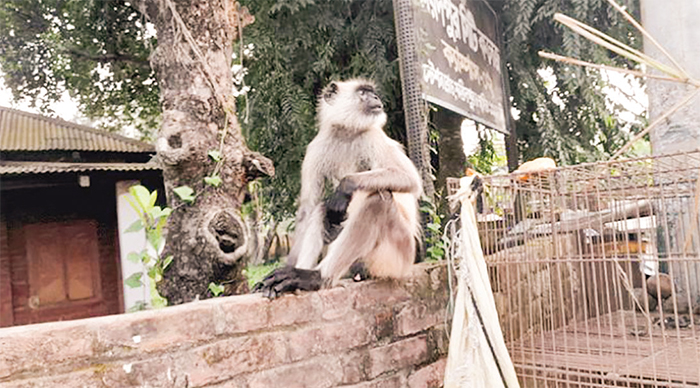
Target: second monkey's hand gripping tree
206	163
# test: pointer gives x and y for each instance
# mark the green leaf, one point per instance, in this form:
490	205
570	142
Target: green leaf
134	227
216	289
185	193
215	155
146	258
436	252
133	257
157	301
134	281
609	121
213	180
154	197
166	212
142	196
156	212
154	274
154	239
167	261
434	227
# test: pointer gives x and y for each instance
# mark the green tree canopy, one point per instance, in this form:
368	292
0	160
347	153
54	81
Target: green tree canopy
572	122
99	50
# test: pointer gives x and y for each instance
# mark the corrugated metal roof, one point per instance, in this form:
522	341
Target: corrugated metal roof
22	131
15	168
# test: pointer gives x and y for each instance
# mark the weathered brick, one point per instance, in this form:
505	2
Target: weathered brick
428	280
320	339
329	337
414	318
438	341
370	295
156	330
153	372
354	366
395	381
213	363
83	379
39	347
320	372
336	303
242	313
398	355
237	382
225	359
384	323
293	309
430	376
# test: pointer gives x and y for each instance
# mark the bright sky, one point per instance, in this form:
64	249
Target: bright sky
65	109
635	100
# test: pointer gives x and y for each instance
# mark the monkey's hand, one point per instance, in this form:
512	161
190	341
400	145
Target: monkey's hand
340	199
289	279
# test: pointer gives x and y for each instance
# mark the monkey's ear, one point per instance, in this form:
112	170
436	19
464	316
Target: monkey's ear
330	91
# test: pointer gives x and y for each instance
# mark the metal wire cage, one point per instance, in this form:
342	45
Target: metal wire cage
595	270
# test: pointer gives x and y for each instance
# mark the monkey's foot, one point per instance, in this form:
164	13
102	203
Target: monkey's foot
289	279
359	272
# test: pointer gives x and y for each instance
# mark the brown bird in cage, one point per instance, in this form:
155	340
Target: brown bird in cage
660	285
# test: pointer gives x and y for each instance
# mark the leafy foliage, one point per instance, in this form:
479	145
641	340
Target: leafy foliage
433	235
256	273
299	46
216	289
569	121
152	219
96	50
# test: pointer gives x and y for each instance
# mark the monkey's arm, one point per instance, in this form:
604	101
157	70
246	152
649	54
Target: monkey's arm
393	171
308	235
390	179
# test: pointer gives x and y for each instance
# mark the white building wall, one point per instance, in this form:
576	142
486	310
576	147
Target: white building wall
130	242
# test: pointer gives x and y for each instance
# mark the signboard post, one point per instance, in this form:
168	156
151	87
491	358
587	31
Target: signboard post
414	106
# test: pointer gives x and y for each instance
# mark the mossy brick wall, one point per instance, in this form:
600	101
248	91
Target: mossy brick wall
362	335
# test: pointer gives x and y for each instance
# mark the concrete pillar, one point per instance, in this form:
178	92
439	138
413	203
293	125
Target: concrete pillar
130	242
674	24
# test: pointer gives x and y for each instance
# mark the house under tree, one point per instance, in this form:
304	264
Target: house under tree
62	217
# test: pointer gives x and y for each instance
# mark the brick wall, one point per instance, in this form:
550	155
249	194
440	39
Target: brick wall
362	335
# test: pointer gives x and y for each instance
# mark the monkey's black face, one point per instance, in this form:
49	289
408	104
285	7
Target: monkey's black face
353	105
371	104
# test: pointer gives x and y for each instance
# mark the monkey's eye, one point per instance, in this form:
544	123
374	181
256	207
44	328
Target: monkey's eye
362	92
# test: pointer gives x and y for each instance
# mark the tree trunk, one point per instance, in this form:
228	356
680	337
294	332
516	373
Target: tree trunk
451	148
264	253
207	238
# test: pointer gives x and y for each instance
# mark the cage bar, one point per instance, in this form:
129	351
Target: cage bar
595	270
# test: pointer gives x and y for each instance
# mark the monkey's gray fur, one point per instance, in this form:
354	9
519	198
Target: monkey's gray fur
365	166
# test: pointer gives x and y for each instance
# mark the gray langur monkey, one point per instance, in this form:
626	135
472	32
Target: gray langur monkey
376	187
